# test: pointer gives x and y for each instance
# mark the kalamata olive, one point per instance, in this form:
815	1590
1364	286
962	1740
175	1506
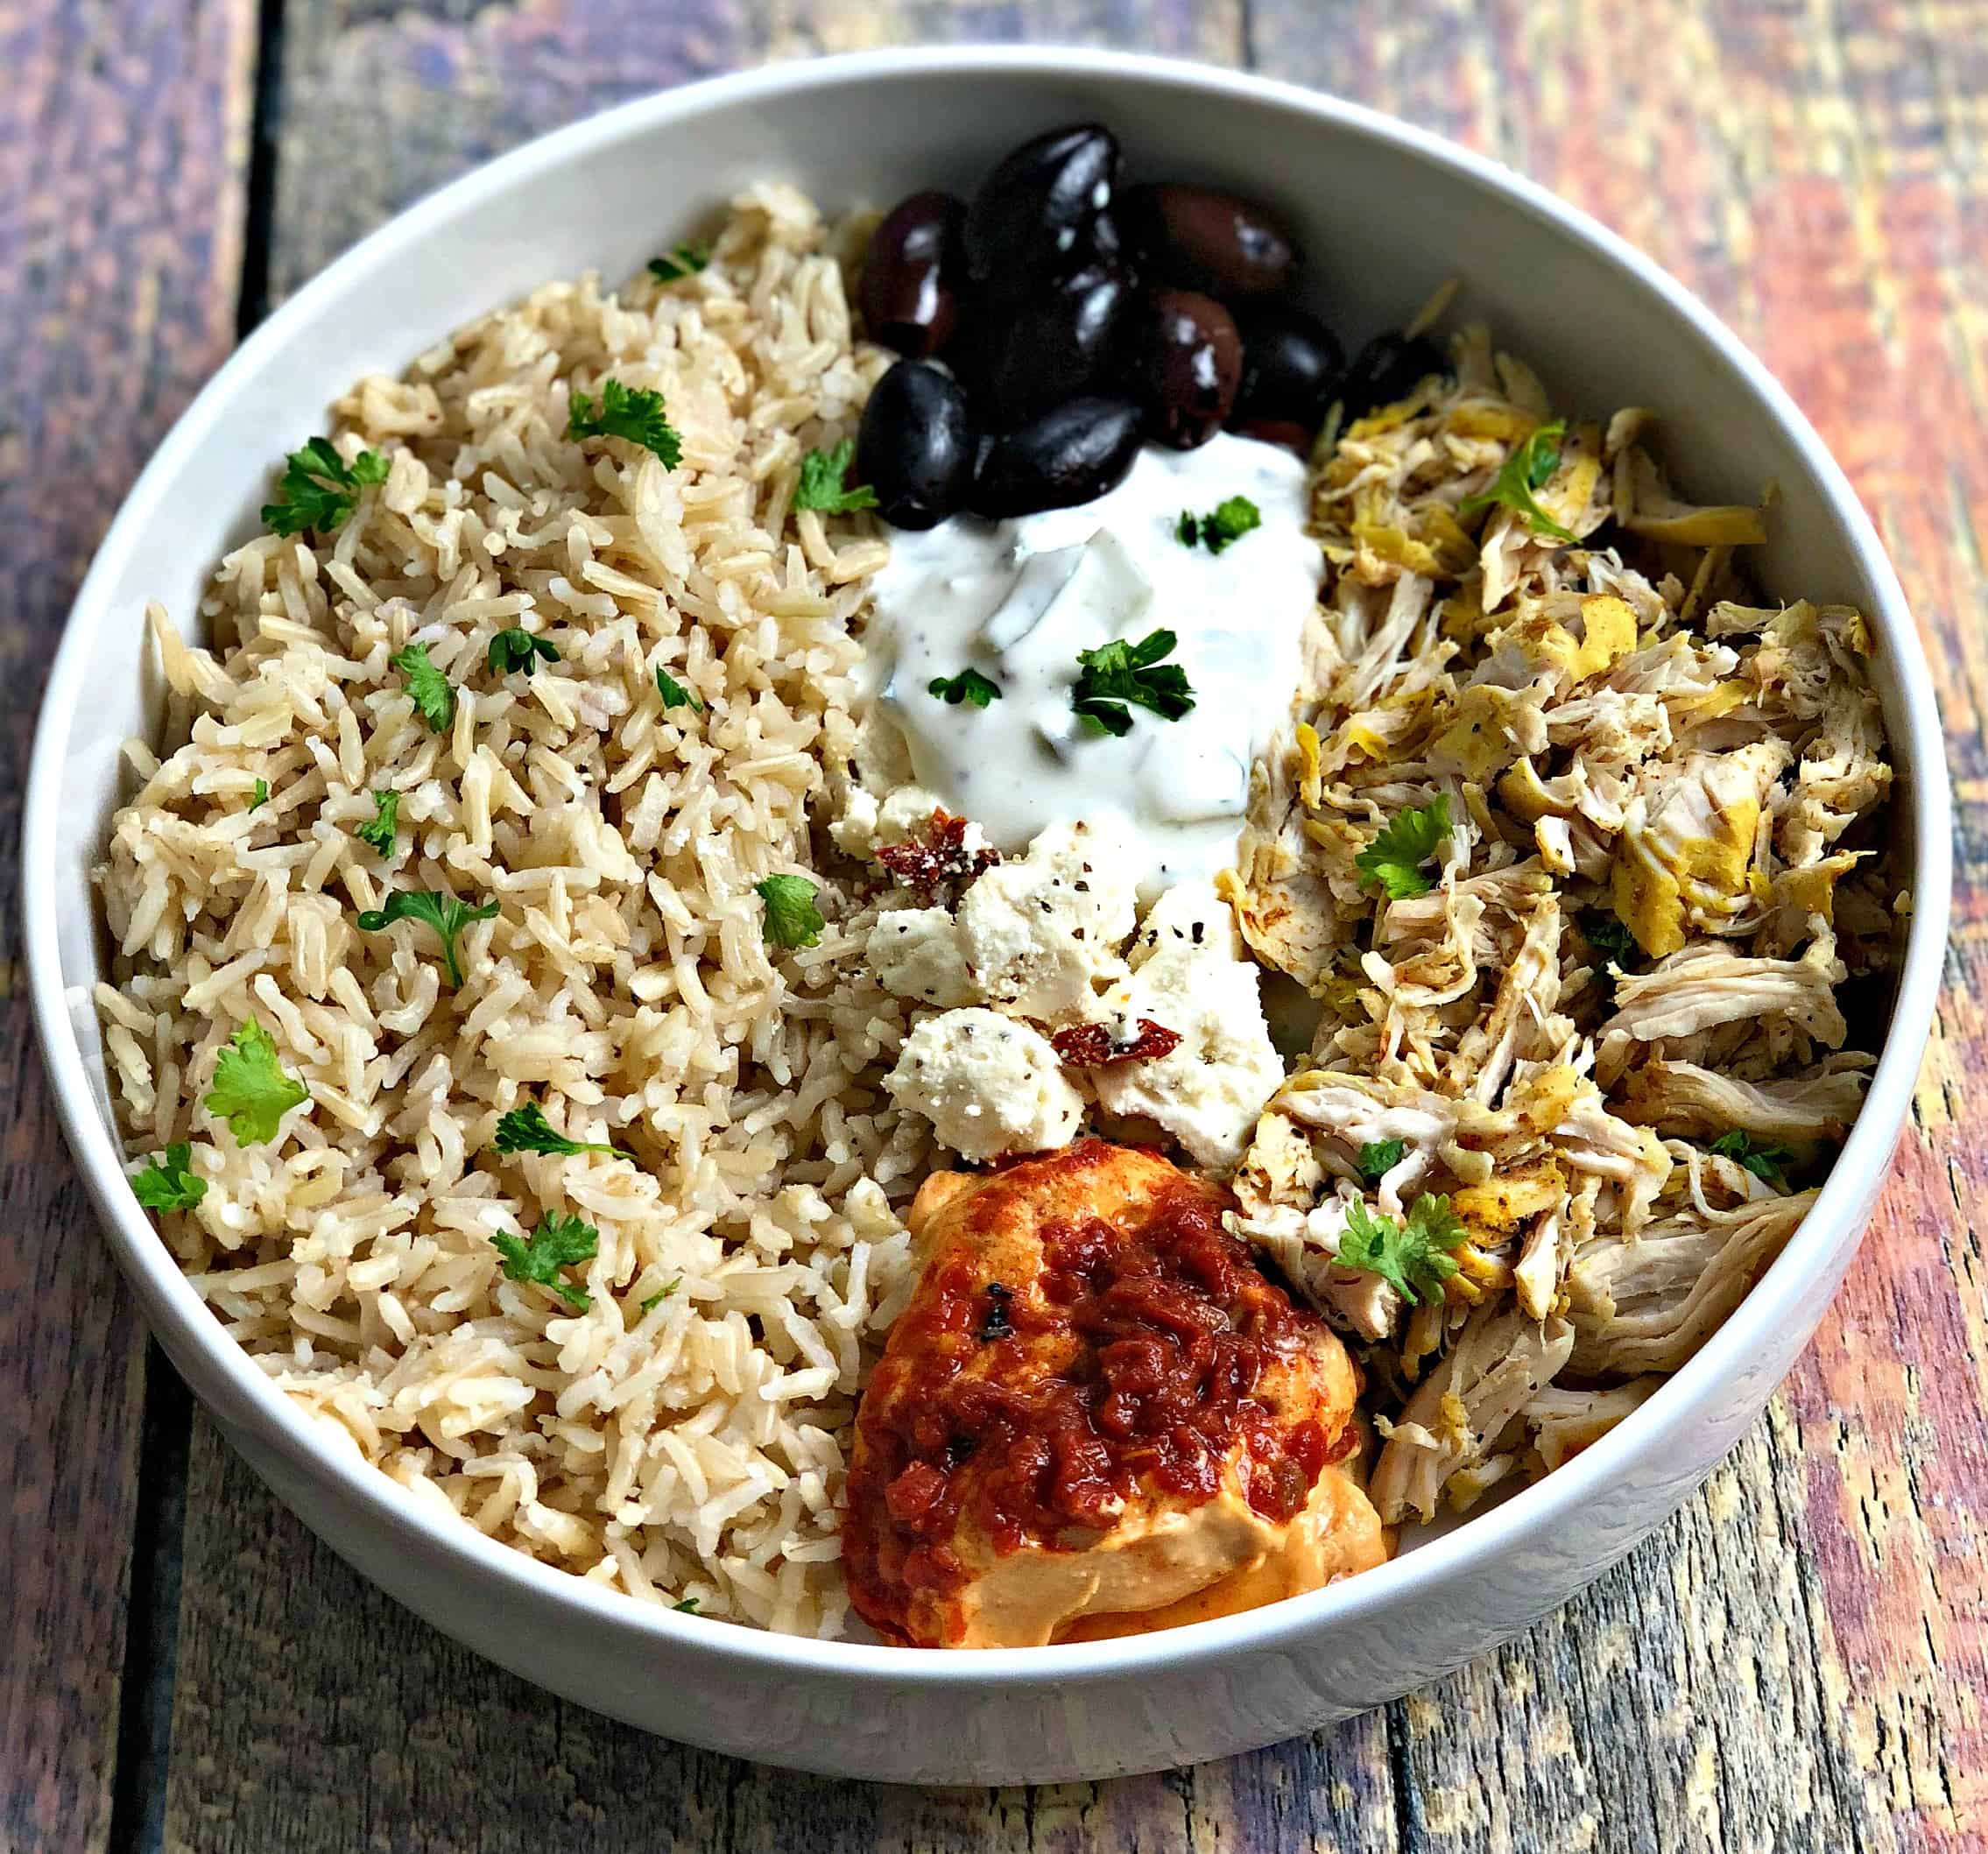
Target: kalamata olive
1023	353
1189	357
1209	240
1292	365
909	294
915	447
1072	454
1280	432
1387	369
1037	210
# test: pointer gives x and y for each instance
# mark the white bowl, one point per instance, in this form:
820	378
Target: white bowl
1386	213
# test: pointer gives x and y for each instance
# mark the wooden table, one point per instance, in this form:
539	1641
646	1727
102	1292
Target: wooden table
1795	1662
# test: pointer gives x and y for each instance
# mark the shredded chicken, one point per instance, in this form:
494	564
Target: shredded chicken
1603	1019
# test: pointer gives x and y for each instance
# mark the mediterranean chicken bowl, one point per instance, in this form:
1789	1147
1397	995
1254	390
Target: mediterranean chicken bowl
931	921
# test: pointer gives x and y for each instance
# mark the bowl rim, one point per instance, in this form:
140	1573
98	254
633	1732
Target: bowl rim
177	1312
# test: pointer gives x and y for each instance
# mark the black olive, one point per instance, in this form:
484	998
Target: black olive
1072	454
1292	366
1387	369
1019	355
1280	432
1189	358
1039	210
909	294
916	446
1205	240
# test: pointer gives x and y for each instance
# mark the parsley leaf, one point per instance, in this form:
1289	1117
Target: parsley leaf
687	1607
661	1294
427	688
514	649
557	1242
1394	859
1118	672
792	918
319	489
526	1130
386	820
168	1182
969	686
261	795
1608	936
1379	1157
1226	522
444	913
1765	1161
1416	1260
674	693
633	413
678	262
1530	466
250	1090
821	486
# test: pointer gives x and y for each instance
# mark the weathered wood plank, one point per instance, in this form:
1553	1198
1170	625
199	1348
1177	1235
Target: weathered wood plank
121	193
1796	1661
1815	176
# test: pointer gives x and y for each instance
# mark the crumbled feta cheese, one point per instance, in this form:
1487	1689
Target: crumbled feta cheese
915	954
988	1084
866	826
1042	935
1191	976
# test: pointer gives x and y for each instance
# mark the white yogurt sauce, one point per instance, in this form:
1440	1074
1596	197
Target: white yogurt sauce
1017	599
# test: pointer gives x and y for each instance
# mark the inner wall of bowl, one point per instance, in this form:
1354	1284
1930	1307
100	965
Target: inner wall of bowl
1383	225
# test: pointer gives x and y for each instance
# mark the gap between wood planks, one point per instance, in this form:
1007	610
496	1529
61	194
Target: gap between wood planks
143	1748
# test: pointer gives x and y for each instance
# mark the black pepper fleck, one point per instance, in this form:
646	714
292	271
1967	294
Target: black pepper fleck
997	1324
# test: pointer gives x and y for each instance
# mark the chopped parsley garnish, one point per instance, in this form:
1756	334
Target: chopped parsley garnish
1608	936
821	485
1225	523
250	1090
687	1607
444	913
1119	673
260	797
168	1182
969	686
427	688
674	693
514	649
558	1242
661	1294
386	820
1394	859
792	918
319	489
1530	466
678	262
1765	1161
1415	1259
1379	1157
526	1130
633	413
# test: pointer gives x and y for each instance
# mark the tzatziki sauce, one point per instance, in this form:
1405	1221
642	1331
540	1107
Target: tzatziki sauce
1017	599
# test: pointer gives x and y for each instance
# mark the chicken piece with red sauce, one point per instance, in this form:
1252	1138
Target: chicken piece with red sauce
1096	1416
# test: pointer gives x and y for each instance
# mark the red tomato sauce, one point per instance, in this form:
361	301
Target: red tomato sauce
1134	1358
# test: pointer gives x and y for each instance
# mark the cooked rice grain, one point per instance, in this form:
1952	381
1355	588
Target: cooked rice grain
697	1448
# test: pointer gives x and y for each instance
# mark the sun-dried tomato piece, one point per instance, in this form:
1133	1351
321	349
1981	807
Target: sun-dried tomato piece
934	861
1091	1045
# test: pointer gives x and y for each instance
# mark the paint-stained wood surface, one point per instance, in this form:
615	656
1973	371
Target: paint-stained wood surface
122	188
1795	1662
